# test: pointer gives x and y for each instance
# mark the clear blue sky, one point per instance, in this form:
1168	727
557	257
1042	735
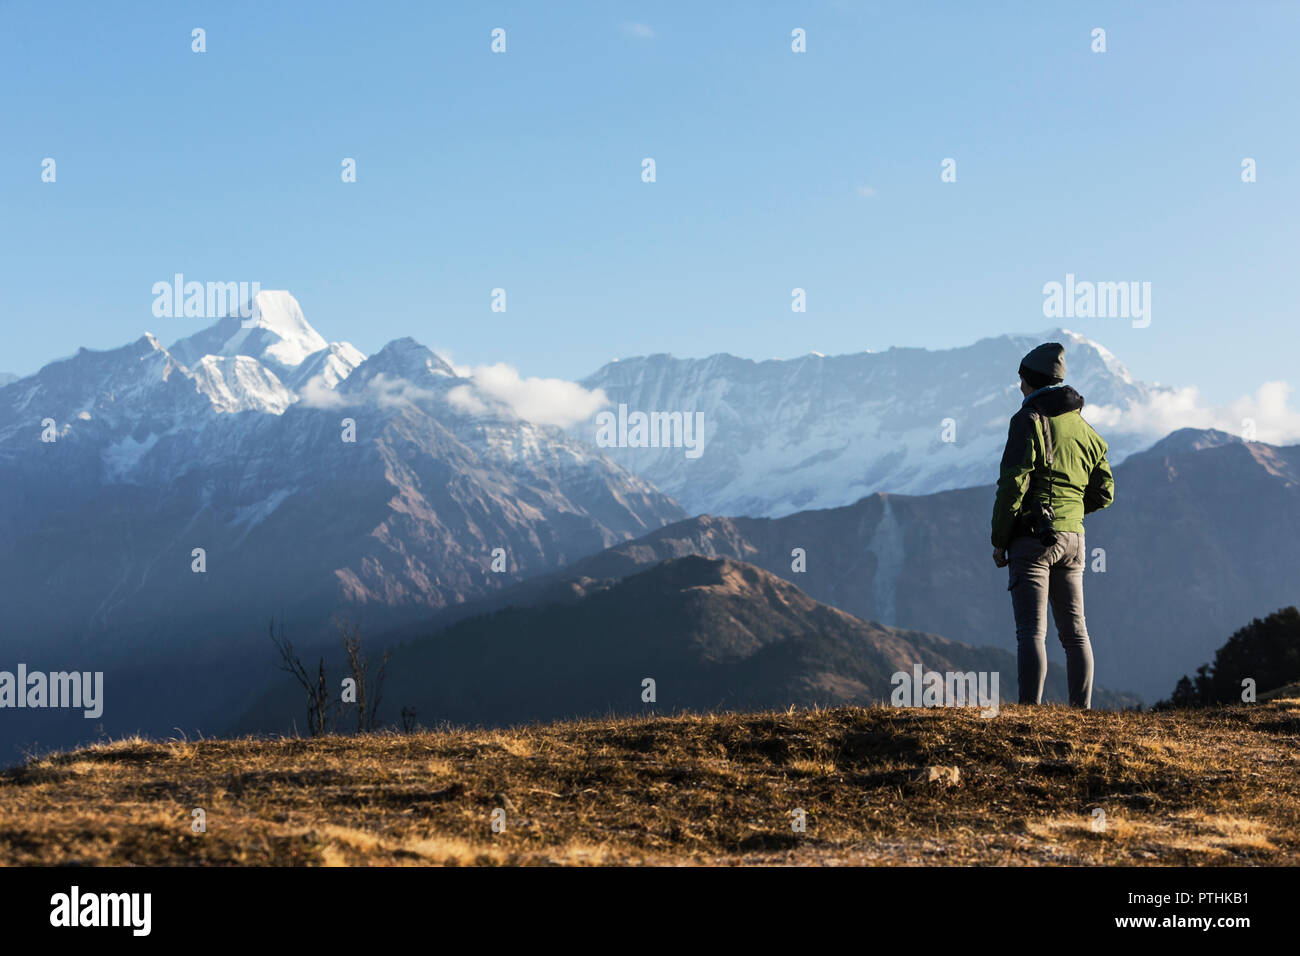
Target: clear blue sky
522	171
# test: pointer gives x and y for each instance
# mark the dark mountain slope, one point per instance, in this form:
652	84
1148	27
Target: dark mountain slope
1205	533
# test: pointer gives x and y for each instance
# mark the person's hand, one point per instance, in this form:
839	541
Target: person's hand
1000	557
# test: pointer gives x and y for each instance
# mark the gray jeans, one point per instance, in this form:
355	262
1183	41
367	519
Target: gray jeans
1040	575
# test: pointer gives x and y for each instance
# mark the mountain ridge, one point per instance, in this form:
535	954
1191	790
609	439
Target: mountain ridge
1178	579
710	632
787	435
174	511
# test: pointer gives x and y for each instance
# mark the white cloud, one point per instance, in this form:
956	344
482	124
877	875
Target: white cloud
639	30
381	390
867	192
387	392
546	401
488	389
1167	410
464	398
316	394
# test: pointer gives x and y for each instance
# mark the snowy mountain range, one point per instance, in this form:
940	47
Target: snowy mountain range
396	481
819	432
162	503
145	414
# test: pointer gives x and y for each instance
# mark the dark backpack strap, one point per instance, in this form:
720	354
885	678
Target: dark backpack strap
1048	450
1036	414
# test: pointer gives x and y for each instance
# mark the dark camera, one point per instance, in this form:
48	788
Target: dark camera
1040	516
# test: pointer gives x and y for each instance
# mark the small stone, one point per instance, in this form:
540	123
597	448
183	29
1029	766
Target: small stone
941	777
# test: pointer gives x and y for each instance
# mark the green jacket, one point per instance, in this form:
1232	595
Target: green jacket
1081	481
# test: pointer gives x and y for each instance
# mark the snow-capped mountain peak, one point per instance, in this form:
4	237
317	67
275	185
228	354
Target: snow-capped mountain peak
279	313
406	359
276	333
267	361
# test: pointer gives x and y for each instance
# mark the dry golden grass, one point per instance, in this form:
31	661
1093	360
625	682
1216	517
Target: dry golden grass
1211	787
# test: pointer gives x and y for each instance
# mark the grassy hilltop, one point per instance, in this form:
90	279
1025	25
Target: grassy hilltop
878	785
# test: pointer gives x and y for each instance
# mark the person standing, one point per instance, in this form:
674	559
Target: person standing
1054	471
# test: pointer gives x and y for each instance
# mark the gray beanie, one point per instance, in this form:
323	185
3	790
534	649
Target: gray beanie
1044	365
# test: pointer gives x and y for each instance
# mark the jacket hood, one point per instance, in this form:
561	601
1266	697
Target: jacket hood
1056	401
